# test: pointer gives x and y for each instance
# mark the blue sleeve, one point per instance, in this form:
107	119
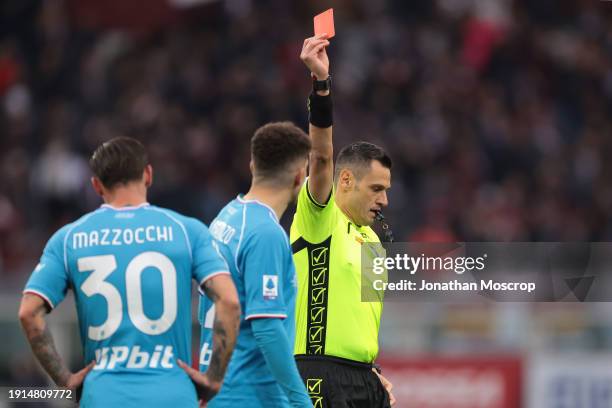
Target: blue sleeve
274	344
49	279
207	259
262	261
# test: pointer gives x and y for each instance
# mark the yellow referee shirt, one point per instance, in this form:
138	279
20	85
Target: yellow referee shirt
331	319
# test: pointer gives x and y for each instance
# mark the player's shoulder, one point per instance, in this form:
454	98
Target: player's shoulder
194	229
261	223
191	224
253	220
59	236
232	213
82	222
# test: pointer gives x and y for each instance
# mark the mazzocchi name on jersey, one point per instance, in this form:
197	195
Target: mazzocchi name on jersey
122	236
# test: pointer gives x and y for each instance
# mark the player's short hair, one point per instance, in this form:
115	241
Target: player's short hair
358	157
119	161
276	146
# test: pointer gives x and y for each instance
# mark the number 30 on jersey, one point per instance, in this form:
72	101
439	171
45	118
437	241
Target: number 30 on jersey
96	284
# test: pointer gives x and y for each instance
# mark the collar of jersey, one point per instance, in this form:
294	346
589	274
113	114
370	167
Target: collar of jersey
128	208
242	200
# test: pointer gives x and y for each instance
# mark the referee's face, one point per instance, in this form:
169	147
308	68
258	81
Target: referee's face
370	193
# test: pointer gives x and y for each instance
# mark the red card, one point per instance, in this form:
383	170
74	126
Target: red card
324	23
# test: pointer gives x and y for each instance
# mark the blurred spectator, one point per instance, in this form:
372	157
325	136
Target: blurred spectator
496	112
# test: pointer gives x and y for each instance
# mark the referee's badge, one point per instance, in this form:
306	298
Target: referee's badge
270	286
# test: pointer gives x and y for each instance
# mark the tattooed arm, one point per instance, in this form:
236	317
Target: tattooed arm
32	316
222	292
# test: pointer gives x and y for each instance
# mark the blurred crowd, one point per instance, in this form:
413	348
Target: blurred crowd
497	113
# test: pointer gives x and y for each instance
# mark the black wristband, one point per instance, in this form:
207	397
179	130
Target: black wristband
324	85
320	110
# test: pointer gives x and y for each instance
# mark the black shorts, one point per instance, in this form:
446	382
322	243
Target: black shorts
335	382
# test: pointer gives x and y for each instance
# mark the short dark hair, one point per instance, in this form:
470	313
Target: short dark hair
358	156
275	146
119	161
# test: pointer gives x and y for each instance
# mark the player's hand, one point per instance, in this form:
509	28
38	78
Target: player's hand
75	380
388	386
205	387
315	57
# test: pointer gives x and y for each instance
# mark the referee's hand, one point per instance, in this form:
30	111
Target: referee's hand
315	57
388	386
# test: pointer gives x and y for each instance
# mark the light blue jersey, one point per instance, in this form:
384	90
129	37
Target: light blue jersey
131	271
258	253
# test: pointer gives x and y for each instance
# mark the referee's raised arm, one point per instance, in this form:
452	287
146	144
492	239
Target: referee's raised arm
321	170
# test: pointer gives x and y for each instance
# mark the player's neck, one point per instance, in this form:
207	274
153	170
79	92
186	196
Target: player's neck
272	197
126	196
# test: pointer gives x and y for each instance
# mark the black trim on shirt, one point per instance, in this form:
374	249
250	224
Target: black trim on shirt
312	200
298	245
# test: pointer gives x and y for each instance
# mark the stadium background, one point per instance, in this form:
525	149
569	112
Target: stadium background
496	113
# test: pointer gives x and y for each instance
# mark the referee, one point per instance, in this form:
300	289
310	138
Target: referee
336	333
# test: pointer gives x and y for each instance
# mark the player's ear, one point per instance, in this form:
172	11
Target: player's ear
252	167
299	177
301	174
97	186
148	175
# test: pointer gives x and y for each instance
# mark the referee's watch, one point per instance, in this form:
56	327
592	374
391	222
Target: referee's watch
324	85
